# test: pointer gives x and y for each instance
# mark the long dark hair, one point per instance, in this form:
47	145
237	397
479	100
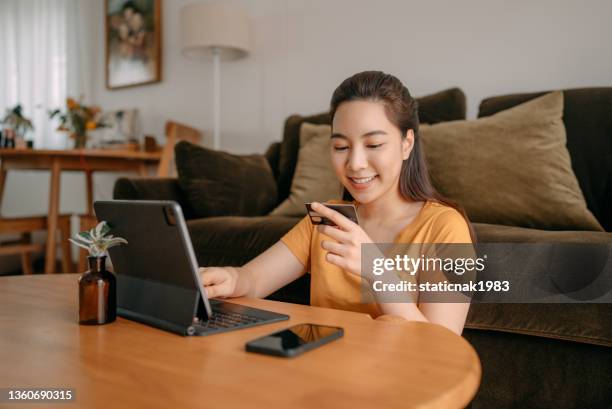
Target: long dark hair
402	111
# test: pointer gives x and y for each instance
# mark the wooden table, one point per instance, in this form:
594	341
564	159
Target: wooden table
129	365
83	160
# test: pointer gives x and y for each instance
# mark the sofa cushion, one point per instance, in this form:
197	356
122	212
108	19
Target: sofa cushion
588	124
511	168
520	371
221	184
314	178
447	105
273	155
152	189
497	233
234	241
588	323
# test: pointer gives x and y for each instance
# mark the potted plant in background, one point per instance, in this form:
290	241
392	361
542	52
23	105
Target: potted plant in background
77	120
17	127
97	286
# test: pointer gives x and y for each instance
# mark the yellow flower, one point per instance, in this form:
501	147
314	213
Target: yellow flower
70	103
90	125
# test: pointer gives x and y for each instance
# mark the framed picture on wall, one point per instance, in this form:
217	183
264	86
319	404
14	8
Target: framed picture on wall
133	42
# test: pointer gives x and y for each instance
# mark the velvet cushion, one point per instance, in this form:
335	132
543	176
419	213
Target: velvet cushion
588	323
447	105
520	371
314	178
234	241
497	233
152	189
272	156
588	124
511	168
221	184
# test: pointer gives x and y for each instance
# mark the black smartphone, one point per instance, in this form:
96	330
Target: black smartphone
295	340
347	210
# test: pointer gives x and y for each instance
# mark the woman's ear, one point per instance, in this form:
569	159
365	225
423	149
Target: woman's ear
407	144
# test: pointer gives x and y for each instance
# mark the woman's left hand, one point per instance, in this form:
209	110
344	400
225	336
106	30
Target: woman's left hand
345	251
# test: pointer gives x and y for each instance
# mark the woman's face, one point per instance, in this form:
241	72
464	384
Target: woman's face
136	22
367	150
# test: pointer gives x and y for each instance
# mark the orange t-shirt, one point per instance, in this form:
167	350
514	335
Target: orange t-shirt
333	287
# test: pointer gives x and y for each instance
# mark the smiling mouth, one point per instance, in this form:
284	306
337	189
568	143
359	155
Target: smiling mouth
362	181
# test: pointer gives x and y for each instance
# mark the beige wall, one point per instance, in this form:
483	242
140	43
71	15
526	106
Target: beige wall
302	49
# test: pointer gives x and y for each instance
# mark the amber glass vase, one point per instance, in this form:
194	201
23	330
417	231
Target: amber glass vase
97	294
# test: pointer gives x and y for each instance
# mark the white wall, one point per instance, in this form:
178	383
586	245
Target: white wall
302	49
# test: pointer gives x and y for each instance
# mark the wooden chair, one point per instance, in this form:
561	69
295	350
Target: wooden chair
175	132
25	226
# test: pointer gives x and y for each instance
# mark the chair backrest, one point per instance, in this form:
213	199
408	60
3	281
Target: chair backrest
175	132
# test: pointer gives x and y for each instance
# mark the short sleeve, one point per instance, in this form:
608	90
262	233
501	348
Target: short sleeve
298	241
451	227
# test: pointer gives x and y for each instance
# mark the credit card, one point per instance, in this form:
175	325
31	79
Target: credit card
347	210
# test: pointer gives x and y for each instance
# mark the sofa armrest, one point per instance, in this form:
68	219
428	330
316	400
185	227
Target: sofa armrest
152	189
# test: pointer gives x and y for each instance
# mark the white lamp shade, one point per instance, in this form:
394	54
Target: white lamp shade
205	26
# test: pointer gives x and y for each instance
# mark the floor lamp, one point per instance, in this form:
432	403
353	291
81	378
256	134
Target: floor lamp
218	32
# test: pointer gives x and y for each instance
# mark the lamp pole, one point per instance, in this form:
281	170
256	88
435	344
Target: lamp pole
216	52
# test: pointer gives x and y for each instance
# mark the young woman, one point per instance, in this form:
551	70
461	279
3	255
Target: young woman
376	154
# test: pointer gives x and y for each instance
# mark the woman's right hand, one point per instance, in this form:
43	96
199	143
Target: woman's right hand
219	282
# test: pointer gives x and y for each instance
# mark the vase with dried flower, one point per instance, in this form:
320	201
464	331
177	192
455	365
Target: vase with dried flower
77	120
97	286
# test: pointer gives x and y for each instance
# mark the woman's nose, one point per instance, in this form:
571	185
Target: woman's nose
357	160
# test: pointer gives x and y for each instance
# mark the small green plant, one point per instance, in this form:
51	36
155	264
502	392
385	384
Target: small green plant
96	241
15	119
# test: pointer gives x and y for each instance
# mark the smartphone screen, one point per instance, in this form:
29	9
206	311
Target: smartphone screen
295	340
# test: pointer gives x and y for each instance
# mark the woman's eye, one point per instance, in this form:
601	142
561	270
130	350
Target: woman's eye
374	146
340	148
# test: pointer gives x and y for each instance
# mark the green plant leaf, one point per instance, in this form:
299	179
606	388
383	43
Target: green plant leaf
80	241
115	241
85	246
85	236
93	234
102	228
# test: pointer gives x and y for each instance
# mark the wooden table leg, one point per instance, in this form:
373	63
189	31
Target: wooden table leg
54	193
84	220
2	183
89	179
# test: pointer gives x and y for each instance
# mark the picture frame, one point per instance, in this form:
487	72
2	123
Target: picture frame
133	42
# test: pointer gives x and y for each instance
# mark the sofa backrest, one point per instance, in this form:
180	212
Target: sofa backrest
447	105
588	122
272	155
